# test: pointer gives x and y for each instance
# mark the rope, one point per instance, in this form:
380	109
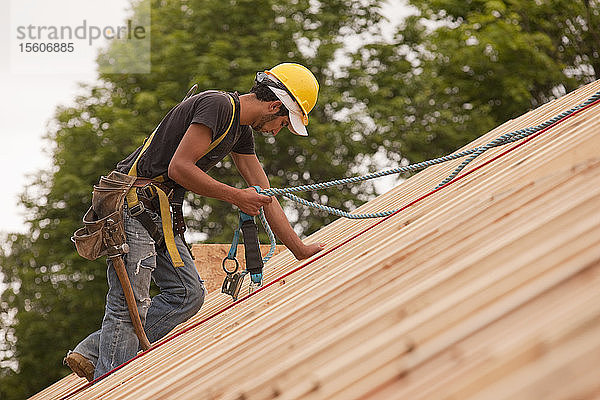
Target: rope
473	153
263	221
319	255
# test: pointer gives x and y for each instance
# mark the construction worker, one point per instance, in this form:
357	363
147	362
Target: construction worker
193	137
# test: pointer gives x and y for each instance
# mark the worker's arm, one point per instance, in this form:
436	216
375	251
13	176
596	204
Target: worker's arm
254	174
183	170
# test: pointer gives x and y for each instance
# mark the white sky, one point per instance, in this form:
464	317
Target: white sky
30	100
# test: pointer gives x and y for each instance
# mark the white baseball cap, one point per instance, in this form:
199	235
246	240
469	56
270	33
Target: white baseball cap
295	113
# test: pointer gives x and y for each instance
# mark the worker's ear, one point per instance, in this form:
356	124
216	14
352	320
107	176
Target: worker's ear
275	106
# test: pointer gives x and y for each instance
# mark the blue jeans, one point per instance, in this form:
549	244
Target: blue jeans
182	295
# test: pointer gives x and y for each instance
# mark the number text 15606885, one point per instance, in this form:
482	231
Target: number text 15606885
46	47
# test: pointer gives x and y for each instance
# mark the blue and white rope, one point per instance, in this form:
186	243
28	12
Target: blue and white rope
263	221
472	153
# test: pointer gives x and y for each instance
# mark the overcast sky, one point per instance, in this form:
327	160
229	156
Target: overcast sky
30	99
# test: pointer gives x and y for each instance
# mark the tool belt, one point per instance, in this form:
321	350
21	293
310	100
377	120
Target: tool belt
103	232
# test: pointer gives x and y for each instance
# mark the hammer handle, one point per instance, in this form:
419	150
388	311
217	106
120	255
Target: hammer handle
131	303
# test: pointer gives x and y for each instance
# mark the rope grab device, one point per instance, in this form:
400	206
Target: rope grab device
254	261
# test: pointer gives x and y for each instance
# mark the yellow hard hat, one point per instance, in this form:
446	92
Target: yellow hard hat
300	83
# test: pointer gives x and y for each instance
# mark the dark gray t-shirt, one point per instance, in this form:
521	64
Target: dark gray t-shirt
211	108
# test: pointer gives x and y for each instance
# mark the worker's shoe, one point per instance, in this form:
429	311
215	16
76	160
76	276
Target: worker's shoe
80	365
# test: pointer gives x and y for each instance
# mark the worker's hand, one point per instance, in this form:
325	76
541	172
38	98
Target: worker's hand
309	250
250	202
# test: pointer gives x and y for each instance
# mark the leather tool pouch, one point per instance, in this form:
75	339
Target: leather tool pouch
104	232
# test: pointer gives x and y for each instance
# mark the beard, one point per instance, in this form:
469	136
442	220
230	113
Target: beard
263	120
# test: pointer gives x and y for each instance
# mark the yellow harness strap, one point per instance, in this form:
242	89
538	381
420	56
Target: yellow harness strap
165	211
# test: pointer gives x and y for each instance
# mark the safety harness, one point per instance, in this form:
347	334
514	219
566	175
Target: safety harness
145	192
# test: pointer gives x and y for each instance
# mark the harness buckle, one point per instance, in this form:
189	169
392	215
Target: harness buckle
148	191
137	209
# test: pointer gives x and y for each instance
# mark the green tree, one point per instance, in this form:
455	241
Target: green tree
566	30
